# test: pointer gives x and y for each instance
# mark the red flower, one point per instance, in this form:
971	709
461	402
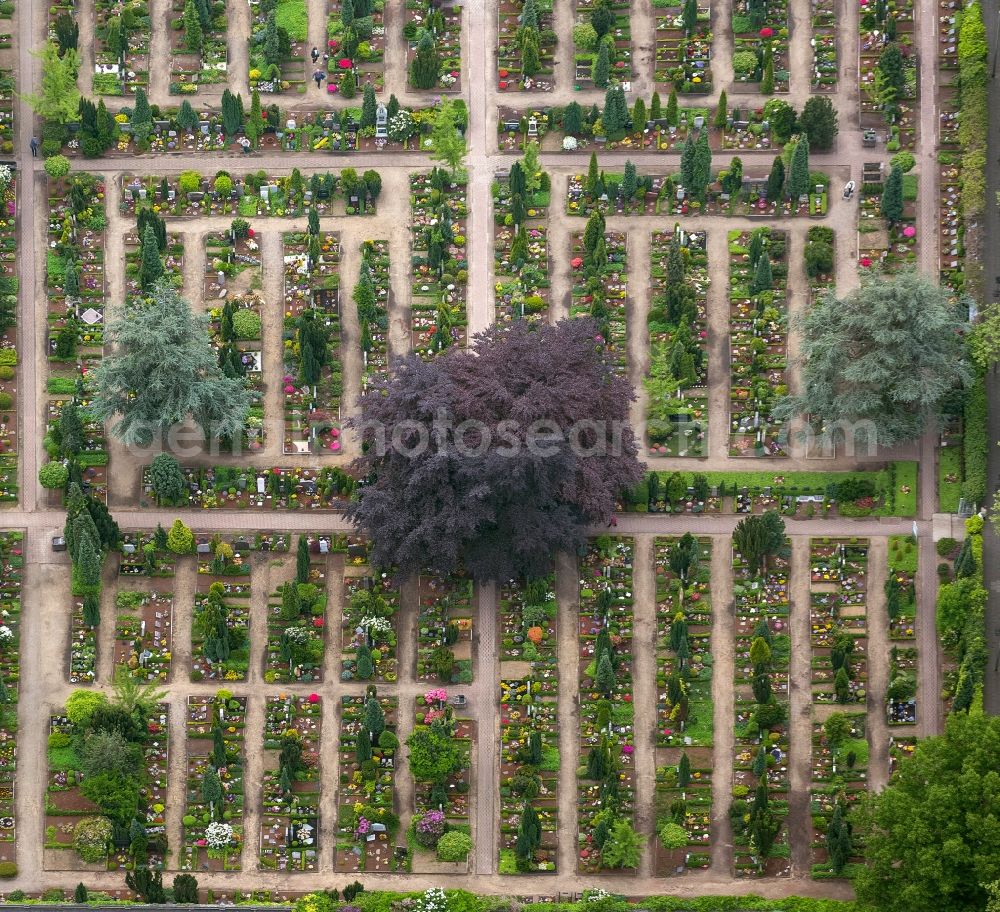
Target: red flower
766	32
344	63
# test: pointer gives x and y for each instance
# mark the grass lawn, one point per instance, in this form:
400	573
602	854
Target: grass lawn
949	492
905	558
291	15
906	476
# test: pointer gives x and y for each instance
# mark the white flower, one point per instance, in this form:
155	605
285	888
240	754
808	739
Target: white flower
569	143
218	835
6	633
375	624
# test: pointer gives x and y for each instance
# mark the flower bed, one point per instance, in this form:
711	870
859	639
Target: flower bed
520	244
529	725
198	64
373	319
312	382
143	633
445	26
586	55
606	792
839	778
884	25
290	794
901	608
683	47
172	258
366	815
363	44
220	624
193	195
74	269
838	620
444	629
824	46
760	46
600	290
369	622
9	284
230	487
677	384
121	46
296	625
525	49
216	757
92	458
761	764
73	809
285	71
145	554
758	269
439	273
883	247
684	703
439	760
11	569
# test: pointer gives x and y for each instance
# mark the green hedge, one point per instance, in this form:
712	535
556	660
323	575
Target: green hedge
975	442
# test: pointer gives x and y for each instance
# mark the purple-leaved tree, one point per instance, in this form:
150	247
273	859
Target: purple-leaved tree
495	458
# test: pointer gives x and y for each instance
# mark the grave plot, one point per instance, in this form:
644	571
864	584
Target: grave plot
838	621
151	255
434	46
761	762
444	629
74	269
526	44
80	811
367	817
900	747
290	794
758	267
520	244
439	758
651	127
227	487
839	778
216	756
760	46
684	47
901	607
143	633
374	299
232	292
146	554
882	246
121	47
296	622
220	624
529	726
313	381
886	47
821	246
677	381
600	286
9	283
606	790
85	617
73	431
593	67
254	195
277	67
369	626
685	492
439	272
11	569
198	54
684	733
359	41
824	46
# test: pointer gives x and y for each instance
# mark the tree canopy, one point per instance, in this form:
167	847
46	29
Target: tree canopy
162	370
883	359
520	452
932	836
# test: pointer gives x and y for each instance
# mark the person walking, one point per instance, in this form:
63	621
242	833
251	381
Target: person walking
33	145
318	75
315	54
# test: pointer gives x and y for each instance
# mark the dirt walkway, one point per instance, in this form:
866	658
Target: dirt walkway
799	823
724	709
644	693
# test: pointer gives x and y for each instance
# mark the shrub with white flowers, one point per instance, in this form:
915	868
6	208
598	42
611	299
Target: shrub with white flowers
569	143
375	624
218	835
401	126
298	635
6	634
433	900
5	176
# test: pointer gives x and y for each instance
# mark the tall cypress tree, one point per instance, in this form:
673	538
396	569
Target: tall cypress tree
798	177
426	65
150	263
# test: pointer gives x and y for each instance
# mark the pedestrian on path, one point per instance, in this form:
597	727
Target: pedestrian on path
319	76
315	54
33	145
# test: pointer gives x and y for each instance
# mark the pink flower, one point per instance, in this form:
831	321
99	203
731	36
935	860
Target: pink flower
766	32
